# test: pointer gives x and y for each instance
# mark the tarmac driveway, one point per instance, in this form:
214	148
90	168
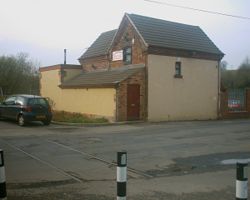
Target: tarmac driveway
177	160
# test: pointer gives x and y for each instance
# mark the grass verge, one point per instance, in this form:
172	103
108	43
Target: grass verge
62	116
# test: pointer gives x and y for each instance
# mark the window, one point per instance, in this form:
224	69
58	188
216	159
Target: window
178	70
10	101
127	55
38	101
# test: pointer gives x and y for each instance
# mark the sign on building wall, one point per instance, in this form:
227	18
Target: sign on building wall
117	55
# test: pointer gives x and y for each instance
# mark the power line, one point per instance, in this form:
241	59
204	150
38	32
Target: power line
196	9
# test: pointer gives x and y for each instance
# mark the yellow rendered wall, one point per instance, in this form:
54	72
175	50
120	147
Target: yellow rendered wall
49	81
94	101
193	97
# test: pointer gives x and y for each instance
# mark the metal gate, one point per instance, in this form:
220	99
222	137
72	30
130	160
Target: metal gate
237	100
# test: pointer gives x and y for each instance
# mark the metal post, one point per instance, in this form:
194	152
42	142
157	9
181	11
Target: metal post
242	181
121	175
3	193
65	56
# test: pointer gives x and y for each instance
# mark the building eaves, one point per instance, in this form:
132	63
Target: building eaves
102	78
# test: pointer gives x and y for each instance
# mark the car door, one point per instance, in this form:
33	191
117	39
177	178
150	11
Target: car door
8	106
17	107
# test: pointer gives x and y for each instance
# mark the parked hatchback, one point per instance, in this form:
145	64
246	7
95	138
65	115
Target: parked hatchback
26	108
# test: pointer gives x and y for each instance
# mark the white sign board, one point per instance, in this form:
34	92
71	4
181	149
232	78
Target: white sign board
117	55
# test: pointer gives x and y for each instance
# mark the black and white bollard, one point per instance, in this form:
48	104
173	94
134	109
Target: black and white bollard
3	193
121	175
241	182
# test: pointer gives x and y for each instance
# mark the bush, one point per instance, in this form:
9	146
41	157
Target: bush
62	116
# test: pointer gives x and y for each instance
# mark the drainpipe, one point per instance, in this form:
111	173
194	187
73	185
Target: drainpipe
219	93
65	56
117	101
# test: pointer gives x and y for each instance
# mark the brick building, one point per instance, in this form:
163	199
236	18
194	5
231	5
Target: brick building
147	69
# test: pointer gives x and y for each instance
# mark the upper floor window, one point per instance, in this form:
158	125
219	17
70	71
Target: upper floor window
127	55
178	70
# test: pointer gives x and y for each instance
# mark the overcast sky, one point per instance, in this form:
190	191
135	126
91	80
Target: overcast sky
43	28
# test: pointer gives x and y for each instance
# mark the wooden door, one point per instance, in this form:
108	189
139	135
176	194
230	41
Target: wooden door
133	102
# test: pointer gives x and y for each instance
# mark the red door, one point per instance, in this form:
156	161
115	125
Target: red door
133	102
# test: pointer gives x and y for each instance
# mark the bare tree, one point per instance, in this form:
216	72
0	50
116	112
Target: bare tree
18	74
239	78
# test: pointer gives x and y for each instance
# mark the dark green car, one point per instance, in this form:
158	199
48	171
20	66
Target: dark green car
26	108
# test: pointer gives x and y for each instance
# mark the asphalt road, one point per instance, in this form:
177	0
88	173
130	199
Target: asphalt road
177	160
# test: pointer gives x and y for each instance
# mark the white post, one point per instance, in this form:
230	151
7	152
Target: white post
242	181
121	175
3	193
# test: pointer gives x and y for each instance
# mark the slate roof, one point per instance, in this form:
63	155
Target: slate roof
161	33
103	78
100	46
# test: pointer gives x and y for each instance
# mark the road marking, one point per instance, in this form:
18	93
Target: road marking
234	161
100	159
43	162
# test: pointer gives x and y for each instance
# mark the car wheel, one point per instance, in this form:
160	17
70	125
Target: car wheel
21	121
46	123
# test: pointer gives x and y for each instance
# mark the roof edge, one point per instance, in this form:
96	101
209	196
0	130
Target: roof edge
60	66
109	85
126	15
140	35
139	70
91	57
181	52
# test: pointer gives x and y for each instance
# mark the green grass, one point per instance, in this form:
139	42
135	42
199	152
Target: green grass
62	116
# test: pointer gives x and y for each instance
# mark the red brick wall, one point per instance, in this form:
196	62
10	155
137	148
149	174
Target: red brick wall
124	39
138	78
225	114
95	63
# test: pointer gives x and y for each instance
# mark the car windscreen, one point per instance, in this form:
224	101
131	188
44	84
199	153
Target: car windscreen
38	101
